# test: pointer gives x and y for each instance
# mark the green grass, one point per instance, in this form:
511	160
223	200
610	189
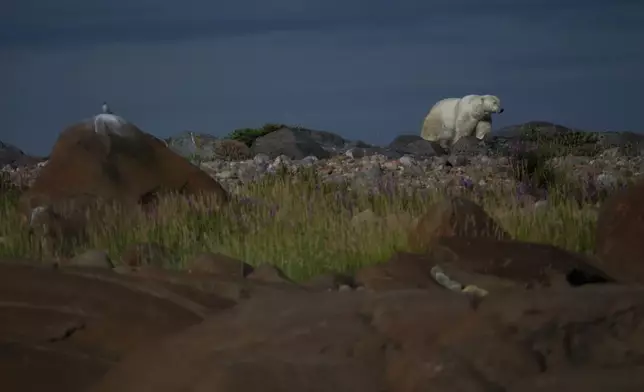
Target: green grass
312	232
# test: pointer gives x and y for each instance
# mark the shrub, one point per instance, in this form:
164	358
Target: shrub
248	135
532	169
231	150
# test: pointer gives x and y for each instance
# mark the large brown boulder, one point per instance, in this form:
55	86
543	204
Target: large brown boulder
400	341
453	217
63	328
109	158
619	242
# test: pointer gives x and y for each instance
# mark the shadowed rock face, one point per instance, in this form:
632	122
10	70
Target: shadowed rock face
620	235
397	341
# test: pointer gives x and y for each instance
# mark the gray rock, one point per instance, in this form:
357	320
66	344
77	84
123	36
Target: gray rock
415	145
92	258
11	155
357	143
356	152
407	161
193	145
295	144
364	217
469	145
458	160
262	159
367	178
529	128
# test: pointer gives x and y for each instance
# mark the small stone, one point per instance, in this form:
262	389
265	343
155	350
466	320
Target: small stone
92	258
281	160
309	160
458	160
225	174
261	159
541	205
406	160
355	153
391	165
474	290
366	216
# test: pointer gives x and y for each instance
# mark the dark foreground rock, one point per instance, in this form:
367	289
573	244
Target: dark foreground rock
401	341
619	242
60	330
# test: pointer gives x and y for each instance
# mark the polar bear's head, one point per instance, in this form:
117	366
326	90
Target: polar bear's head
490	104
483	105
482	108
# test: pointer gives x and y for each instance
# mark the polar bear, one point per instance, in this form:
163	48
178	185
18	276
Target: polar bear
453	118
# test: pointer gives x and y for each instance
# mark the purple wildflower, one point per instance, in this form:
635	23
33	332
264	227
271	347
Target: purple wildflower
467	183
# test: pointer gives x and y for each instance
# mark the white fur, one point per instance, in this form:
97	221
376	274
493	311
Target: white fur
110	124
454	118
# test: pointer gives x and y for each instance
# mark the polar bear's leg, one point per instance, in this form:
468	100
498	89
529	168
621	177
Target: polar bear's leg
465	126
483	128
432	126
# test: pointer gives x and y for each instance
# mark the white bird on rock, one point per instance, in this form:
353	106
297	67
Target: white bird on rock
106	109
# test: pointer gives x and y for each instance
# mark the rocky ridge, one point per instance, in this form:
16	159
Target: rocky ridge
600	160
